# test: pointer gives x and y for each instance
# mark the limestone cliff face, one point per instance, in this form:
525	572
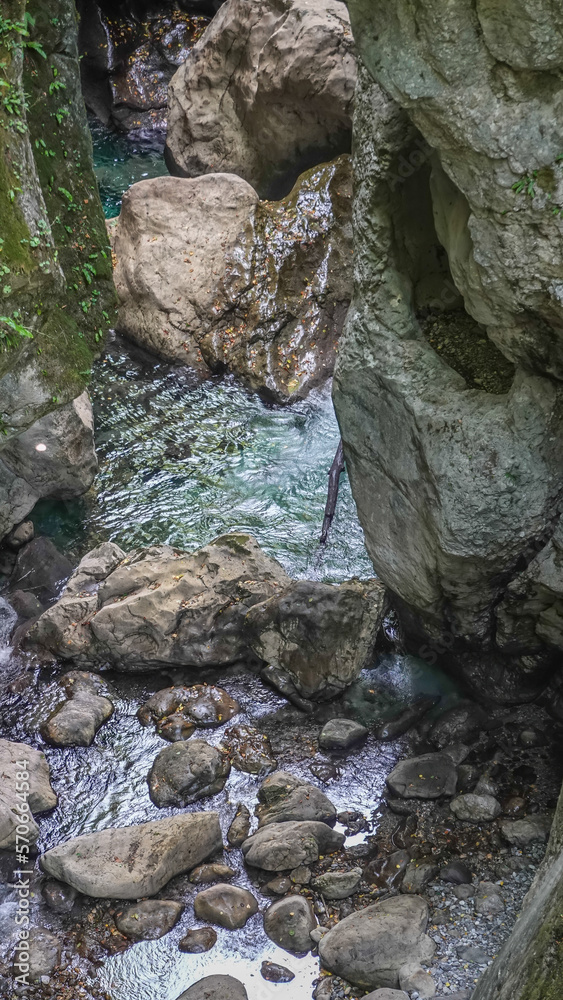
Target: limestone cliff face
56	289
448	387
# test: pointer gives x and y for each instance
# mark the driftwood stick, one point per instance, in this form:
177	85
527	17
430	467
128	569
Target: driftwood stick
334	474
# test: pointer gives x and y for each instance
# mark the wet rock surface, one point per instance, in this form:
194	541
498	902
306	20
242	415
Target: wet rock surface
249	750
280	846
298	58
340	734
262	292
427	777
284	798
185	772
128	57
198	940
133	861
77	720
369	947
216	988
240	827
149	920
320	635
227	905
34	775
179	708
274	973
289	923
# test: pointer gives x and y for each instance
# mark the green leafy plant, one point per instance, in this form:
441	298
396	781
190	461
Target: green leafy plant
11	332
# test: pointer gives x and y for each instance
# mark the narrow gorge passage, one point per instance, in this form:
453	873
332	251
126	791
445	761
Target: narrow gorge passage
245	753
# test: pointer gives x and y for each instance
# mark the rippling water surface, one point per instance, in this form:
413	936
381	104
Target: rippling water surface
181	464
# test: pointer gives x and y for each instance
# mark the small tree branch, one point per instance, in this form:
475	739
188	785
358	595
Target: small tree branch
334	474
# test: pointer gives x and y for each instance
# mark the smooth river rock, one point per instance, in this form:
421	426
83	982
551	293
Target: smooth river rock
289	922
338	885
266	93
150	919
216	988
77	720
185	772
369	947
40	798
283	846
227	905
283	797
475	808
134	861
340	734
427	777
212	297
202	705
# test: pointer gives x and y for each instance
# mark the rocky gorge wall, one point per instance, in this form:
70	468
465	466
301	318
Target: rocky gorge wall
56	290
448	384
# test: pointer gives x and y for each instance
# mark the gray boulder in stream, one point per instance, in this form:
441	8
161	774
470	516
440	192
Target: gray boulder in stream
320	635
41	796
369	947
211	296
161	607
267	92
216	988
130	862
284	798
187	771
228	601
283	846
76	722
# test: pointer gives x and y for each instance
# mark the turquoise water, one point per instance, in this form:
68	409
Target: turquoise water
181	464
121	161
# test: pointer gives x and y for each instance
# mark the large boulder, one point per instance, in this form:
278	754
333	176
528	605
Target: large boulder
448	385
21	765
266	93
133	861
211	298
320	635
369	947
161	607
55	457
284	846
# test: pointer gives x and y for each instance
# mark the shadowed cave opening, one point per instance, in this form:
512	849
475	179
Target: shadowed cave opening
460	341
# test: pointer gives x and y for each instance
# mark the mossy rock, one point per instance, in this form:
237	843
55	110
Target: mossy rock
56	281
